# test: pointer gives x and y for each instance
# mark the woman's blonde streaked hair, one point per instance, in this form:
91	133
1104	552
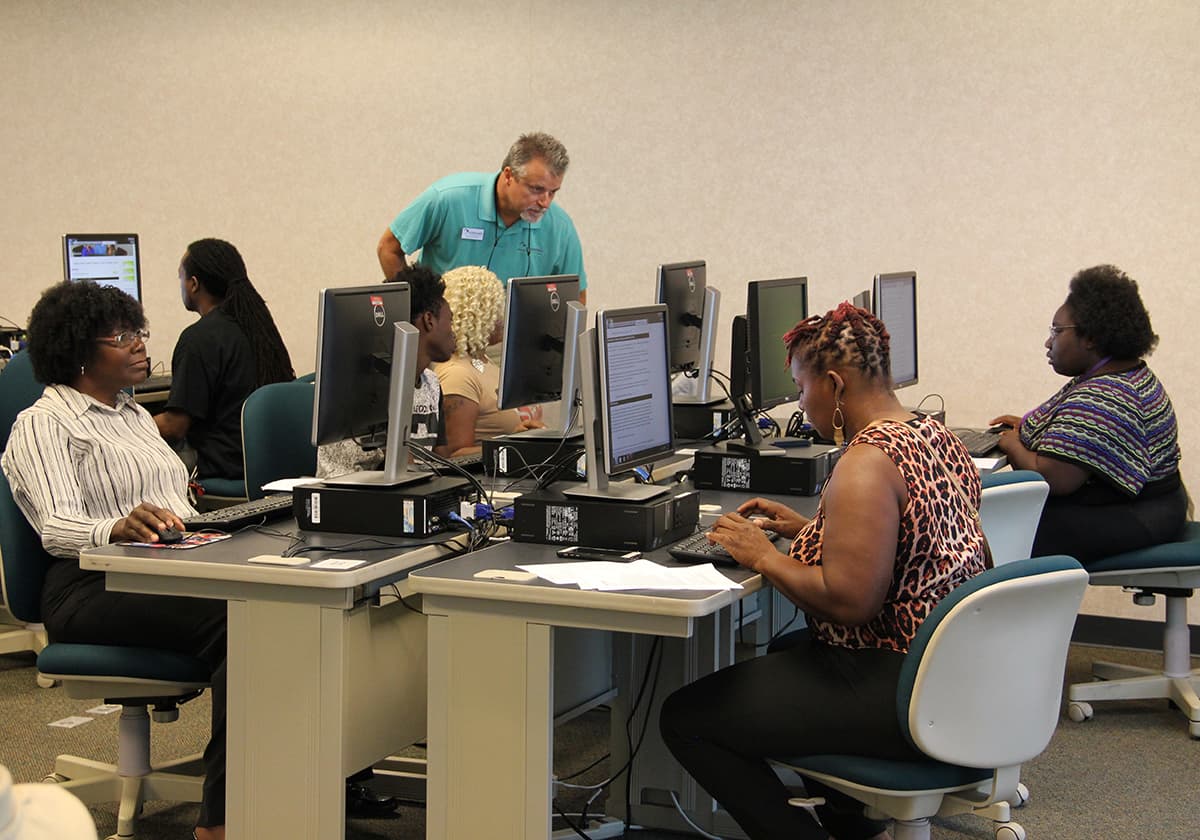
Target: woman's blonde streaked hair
476	298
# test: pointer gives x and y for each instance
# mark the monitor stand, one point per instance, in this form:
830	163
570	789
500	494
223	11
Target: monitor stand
616	491
752	442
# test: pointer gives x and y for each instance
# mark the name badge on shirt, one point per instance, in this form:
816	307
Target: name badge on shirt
473	233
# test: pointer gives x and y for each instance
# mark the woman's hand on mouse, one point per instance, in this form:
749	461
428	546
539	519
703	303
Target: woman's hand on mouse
778	517
143	524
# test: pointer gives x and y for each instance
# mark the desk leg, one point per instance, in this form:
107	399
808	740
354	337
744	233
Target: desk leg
284	768
490	703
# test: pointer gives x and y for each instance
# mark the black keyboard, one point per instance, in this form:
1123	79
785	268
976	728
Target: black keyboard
470	461
697	549
256	512
979	443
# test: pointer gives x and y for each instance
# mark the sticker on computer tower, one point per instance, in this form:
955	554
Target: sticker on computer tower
735	473
562	524
410	519
315	508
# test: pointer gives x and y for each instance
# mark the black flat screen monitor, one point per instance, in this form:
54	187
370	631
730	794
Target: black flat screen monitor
895	298
536	342
681	287
110	259
366	360
772	308
627	399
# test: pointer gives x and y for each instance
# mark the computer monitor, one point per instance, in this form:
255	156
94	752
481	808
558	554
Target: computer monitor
693	309
366	360
542	324
772	308
863	300
110	259
896	305
625	367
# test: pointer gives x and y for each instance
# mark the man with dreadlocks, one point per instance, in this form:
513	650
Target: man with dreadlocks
885	547
218	361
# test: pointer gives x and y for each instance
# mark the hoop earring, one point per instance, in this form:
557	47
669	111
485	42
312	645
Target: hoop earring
839	426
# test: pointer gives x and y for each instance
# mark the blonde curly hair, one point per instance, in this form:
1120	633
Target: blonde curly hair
476	298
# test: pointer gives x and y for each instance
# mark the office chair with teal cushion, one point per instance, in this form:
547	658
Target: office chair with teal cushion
1010	512
18	391
277	434
1173	571
975	697
134	677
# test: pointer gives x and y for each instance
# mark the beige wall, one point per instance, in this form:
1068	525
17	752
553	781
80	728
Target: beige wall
994	147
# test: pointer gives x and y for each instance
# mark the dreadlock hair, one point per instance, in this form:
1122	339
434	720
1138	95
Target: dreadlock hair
843	337
220	269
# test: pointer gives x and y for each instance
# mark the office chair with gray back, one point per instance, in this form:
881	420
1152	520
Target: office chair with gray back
974	697
18	391
134	677
1010	512
277	434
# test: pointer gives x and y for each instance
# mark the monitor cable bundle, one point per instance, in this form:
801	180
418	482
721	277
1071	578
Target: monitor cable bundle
649	678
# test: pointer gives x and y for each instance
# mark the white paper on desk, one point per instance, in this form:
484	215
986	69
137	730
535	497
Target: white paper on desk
611	576
287	485
987	465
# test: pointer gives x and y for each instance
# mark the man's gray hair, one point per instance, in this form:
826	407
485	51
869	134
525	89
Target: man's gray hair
536	145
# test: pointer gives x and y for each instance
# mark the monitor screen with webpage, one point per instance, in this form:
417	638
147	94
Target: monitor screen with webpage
366	372
626	400
895	298
110	259
542	324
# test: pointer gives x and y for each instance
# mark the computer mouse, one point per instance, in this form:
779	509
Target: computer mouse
169	536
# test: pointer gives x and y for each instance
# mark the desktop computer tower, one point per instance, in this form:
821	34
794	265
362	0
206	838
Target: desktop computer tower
524	456
410	510
799	471
549	517
694	422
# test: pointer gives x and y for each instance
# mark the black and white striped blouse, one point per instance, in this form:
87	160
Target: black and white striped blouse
77	466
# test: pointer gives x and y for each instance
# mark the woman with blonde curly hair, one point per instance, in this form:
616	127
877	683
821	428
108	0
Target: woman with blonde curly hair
470	380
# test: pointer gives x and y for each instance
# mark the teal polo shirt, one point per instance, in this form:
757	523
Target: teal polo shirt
455	223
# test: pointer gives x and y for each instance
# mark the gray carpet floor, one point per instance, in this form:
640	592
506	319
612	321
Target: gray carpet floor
1131	772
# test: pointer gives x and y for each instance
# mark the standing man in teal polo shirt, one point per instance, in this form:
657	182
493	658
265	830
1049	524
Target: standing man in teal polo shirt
506	221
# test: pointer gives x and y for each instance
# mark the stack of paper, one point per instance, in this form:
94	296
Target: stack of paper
640	574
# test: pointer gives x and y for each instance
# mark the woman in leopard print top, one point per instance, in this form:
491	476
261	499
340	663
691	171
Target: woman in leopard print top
896	530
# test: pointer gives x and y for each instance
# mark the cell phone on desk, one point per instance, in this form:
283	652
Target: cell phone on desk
581	552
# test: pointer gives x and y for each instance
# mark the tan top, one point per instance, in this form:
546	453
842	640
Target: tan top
462	377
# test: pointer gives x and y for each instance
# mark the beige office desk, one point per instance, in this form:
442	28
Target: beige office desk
321	684
491	662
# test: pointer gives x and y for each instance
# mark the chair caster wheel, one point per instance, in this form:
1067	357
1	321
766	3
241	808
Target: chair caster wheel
1021	798
45	682
1010	831
53	778
1079	711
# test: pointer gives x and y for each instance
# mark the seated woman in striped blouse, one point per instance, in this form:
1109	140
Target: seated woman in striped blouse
88	467
1107	443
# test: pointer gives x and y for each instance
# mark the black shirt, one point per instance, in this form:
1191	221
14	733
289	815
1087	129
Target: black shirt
212	373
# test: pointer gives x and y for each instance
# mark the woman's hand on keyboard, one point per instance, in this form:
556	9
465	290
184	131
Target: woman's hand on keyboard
743	539
774	516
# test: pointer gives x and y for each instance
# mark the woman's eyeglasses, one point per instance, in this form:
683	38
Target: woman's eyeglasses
1056	329
125	339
